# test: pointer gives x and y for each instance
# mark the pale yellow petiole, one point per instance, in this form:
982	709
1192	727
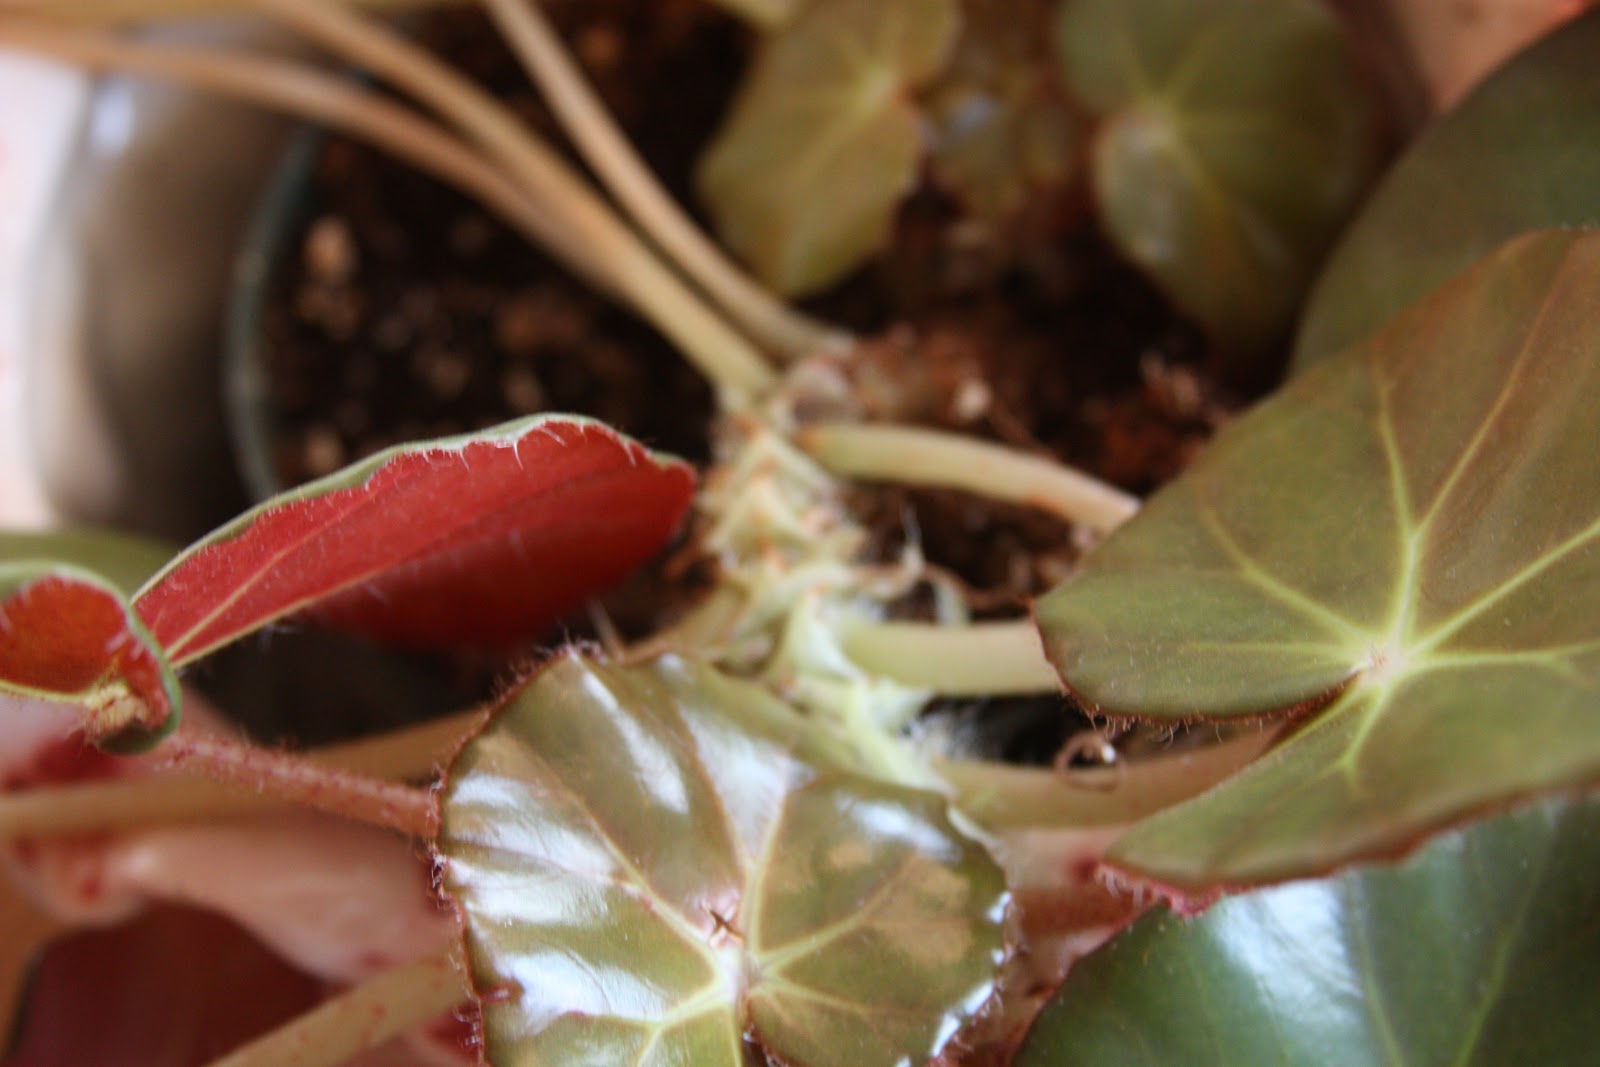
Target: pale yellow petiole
914	456
703	335
412	754
773	323
983	659
362	1018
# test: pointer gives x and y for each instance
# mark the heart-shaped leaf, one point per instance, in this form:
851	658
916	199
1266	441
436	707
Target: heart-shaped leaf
1416	521
1519	154
67	635
1235	139
659	864
1481	949
479	539
822	143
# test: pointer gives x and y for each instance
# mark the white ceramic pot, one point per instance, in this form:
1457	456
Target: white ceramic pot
121	207
36	143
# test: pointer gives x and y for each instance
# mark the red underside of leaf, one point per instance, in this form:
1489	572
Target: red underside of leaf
62	636
538	565
178	987
172	988
480	544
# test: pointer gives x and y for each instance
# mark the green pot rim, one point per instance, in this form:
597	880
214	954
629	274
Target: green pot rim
268	245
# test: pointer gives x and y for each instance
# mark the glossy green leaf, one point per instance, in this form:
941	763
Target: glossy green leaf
823	142
998	131
1416	521
1236	137
67	635
1482	949
1520	153
658	864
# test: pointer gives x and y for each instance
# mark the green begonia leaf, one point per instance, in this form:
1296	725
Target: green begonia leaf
998	131
1413	526
823	141
1482	949
658	864
1235	138
68	635
1520	153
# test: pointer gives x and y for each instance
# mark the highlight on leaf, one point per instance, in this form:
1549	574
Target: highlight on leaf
1448	957
1411	531
68	635
658	863
482	539
1234	137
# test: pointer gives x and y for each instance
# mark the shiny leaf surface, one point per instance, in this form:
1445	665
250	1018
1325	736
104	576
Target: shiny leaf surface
1519	154
822	143
658	864
67	635
1417	522
1482	949
480	539
1235	137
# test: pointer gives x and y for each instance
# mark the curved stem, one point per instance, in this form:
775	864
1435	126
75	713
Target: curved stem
298	780
122	804
127	12
1002	797
330	101
412	754
917	456
985	659
719	352
769	320
361	1018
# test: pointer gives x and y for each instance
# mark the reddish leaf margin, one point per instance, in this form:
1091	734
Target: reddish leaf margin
68	635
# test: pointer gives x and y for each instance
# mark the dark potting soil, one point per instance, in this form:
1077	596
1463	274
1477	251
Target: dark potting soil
409	312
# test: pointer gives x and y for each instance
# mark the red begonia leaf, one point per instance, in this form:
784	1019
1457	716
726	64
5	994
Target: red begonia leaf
478	540
163	990
68	635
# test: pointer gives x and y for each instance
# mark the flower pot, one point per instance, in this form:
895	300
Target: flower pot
114	262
